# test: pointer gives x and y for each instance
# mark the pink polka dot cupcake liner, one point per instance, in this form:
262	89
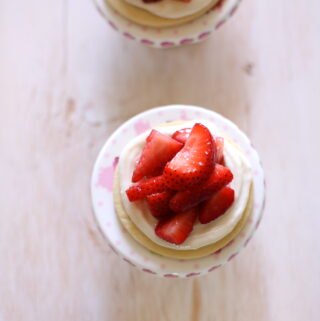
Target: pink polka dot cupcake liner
188	33
121	242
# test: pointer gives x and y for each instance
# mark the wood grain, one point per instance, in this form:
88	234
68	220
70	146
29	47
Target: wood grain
67	81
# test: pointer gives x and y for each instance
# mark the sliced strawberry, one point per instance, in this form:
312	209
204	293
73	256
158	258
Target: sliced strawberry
146	187
195	161
220	144
158	150
159	203
217	205
177	228
182	135
220	177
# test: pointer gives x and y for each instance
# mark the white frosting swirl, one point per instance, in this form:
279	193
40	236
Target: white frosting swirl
171	9
202	234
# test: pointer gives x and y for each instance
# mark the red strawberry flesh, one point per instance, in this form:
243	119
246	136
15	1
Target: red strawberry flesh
220	144
158	150
178	227
146	187
192	165
184	200
182	135
217	205
158	204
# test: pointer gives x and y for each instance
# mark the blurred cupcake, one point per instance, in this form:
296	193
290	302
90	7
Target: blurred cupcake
166	23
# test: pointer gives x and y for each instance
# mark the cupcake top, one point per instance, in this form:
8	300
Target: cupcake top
202	234
171	9
161	14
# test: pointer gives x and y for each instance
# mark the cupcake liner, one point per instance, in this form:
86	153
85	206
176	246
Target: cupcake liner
188	33
121	242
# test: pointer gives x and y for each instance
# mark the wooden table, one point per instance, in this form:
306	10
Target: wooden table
67	80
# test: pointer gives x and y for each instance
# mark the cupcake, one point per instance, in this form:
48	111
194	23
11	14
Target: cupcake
183	196
166	23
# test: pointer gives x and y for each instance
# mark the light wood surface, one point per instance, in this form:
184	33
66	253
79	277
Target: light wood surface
67	80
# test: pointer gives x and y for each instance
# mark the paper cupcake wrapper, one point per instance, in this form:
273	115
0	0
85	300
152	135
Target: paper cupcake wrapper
185	34
121	242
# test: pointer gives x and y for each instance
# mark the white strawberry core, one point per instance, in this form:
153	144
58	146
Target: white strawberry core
202	234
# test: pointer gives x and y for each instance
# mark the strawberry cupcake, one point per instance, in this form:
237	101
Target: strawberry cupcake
183	196
166	23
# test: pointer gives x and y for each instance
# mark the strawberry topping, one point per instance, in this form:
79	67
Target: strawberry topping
152	1
146	187
220	144
194	162
220	177
159	203
177	228
158	150
181	178
182	135
217	205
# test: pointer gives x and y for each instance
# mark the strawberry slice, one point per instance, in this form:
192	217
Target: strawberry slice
194	162
217	205
182	135
159	203
158	150
146	187
151	1
184	200
177	228
220	144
